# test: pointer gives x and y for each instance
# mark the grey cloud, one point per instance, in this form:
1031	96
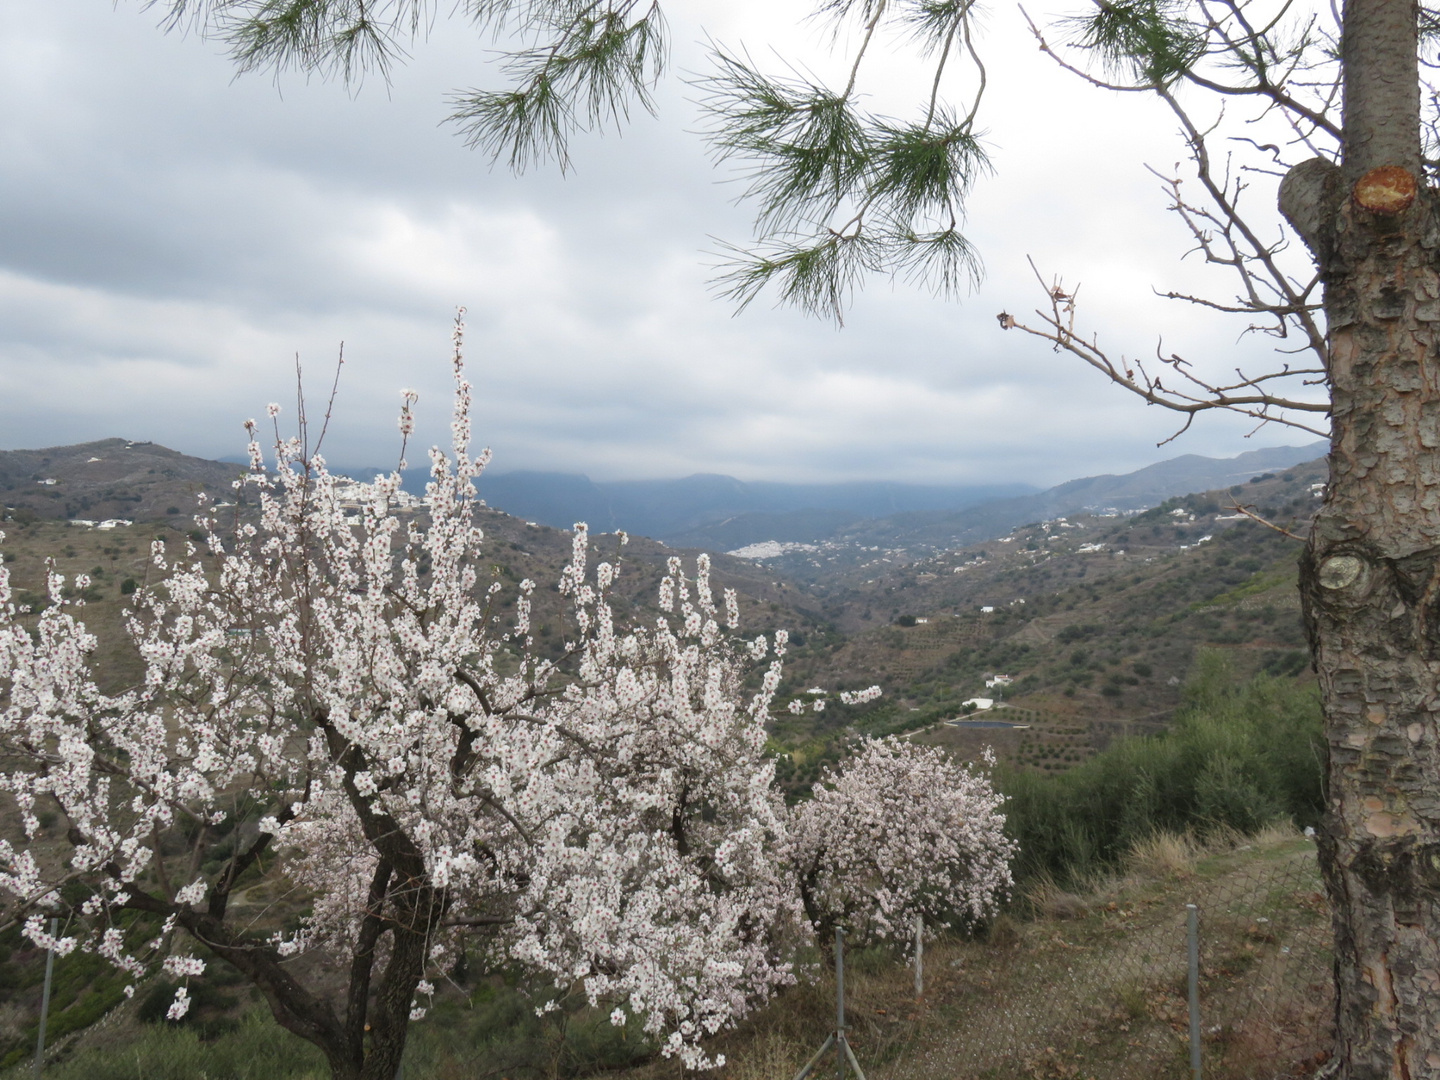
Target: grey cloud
170	237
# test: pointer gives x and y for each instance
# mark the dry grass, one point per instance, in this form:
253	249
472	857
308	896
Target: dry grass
1085	985
1277	832
768	1056
1046	900
1164	856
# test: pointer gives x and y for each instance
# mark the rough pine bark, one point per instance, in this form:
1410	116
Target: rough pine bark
1370	577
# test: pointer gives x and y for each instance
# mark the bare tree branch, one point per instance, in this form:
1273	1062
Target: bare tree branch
1192	396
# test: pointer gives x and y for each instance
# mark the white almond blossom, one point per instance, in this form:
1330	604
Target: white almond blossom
381	747
900	830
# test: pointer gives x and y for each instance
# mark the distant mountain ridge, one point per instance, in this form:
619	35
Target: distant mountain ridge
709	501
1129	492
123	478
109	478
1177	476
722	513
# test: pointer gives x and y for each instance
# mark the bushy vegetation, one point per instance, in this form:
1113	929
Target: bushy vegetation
492	1029
1237	757
256	1049
85	987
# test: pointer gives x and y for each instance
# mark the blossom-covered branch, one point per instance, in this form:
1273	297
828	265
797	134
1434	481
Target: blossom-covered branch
330	703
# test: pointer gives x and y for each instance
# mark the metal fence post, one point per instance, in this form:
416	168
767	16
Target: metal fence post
1192	921
843	1054
919	955
45	1000
840	1003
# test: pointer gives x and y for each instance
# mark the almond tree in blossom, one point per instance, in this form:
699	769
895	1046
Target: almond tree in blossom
900	830
332	706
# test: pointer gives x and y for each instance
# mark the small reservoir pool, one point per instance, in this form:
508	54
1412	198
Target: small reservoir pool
986	724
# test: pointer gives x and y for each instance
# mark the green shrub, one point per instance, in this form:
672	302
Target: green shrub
1236	757
1226	793
256	1050
493	1033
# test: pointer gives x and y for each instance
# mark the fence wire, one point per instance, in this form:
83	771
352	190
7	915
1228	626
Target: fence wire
1100	990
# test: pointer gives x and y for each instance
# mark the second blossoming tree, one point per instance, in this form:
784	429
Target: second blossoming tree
898	831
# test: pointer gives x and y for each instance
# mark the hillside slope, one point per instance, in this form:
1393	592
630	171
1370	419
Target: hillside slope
111	478
1096	618
1083	987
1095	621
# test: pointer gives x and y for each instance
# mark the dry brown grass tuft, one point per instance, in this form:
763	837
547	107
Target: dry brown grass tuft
1277	832
1164	855
1048	901
771	1055
1275	1042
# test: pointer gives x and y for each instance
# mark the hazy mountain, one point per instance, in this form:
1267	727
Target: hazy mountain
939	528
740	511
116	477
1178	476
723	514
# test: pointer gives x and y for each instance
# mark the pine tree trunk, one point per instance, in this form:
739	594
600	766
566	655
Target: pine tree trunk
1370	578
1371	587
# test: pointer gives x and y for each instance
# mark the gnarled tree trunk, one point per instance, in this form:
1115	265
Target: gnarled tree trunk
1370	579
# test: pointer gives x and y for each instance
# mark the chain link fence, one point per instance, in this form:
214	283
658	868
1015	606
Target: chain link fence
1097	987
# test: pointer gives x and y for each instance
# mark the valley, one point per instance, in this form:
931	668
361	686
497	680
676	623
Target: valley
1092	620
1045	642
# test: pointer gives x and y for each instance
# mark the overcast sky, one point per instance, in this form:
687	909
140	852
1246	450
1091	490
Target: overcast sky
171	237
